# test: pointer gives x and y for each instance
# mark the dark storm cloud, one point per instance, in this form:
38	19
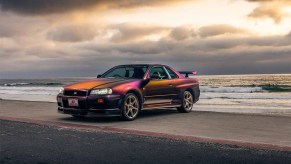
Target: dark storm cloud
42	7
219	29
45	7
73	33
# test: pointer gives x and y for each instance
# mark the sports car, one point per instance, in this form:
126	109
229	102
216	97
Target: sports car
126	90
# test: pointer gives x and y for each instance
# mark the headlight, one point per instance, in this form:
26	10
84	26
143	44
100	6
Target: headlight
102	91
61	90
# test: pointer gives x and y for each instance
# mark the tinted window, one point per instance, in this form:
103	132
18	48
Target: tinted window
136	72
118	72
172	73
160	72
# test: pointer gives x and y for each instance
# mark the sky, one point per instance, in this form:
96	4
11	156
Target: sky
82	38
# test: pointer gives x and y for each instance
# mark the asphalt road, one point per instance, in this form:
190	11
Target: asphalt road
30	143
269	131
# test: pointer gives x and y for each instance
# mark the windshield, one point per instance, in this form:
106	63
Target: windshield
130	71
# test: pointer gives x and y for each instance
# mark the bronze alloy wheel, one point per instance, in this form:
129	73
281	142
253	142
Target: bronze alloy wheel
131	107
187	102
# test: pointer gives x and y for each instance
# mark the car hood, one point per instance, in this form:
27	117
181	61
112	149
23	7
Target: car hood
98	83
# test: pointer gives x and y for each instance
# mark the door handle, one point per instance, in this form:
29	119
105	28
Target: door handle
171	84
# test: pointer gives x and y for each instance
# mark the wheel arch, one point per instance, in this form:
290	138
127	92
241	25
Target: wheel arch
138	94
191	91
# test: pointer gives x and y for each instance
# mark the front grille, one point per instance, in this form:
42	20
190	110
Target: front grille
75	93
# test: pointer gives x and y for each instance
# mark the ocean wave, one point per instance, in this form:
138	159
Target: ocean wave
242	89
275	88
32	84
262	95
31	90
231	89
15	84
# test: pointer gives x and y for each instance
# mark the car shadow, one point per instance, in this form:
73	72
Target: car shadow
145	114
156	113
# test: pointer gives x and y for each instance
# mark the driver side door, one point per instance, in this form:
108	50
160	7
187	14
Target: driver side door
160	89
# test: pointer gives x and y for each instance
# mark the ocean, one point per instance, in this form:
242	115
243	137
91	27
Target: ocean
261	91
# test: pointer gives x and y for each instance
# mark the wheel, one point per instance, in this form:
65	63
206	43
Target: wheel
187	105
130	108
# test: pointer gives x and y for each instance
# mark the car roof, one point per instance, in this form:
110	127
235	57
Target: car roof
142	65
150	65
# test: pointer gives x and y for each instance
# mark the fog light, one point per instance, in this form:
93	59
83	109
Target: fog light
100	100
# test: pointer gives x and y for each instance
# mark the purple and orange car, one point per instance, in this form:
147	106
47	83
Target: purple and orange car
125	90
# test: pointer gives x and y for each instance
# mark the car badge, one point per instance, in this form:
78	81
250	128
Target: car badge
75	93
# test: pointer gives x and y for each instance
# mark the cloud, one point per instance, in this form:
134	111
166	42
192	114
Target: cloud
73	33
44	7
219	29
15	26
249	55
132	32
208	55
272	9
128	32
268	12
267	0
136	32
89	49
182	33
72	45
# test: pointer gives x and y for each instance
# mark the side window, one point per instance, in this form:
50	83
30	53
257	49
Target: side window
172	73
158	71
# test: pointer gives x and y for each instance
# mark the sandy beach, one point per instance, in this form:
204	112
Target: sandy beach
262	130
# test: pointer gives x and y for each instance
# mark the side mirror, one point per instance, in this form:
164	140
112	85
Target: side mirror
155	76
144	82
98	76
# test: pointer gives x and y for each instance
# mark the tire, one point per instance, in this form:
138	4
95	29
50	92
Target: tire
130	107
187	104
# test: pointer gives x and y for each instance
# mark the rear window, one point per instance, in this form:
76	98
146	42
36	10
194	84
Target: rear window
172	73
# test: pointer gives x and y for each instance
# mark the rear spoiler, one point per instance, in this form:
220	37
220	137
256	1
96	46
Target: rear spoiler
186	73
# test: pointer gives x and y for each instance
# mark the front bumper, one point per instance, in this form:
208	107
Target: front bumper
89	105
